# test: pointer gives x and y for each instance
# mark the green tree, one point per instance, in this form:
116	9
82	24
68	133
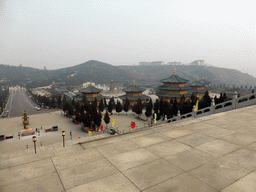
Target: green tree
119	107
78	107
175	107
126	105
161	107
149	108
106	118
84	99
101	105
59	101
156	106
110	106
139	107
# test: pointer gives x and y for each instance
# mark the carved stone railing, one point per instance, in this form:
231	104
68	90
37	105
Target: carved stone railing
235	103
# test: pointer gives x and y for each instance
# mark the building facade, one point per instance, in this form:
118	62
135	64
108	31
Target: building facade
174	87
133	93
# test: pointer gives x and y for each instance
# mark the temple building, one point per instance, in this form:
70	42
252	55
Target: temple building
133	93
197	88
91	93
173	87
206	83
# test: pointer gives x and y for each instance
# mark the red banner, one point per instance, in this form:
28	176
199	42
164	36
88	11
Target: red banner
132	124
101	127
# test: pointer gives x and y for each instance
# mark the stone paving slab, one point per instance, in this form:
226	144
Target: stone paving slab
117	182
26	159
182	183
195	139
150	139
132	159
167	148
113	149
244	158
77	158
60	150
219	173
45	183
247	183
217	132
189	159
136	134
26	171
218	147
85	173
155	172
178	133
241	139
221	121
252	146
101	142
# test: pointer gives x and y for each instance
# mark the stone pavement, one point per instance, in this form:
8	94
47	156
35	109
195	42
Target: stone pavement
213	153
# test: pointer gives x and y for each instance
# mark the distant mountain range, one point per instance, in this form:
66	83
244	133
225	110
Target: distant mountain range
103	73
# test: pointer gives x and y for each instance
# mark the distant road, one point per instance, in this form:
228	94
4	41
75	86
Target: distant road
19	101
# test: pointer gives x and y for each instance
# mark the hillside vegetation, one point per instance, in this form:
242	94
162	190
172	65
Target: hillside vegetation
100	72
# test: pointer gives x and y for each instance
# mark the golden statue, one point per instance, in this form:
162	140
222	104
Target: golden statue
25	119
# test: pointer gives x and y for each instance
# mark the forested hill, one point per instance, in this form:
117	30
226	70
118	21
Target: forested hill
100	72
191	72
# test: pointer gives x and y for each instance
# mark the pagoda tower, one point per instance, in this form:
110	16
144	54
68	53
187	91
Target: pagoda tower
205	82
197	88
173	87
133	93
91	93
206	85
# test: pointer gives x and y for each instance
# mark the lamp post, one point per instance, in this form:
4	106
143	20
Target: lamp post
34	140
63	135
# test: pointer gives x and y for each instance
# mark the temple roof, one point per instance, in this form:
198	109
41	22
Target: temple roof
134	88
197	84
90	89
205	81
134	98
174	79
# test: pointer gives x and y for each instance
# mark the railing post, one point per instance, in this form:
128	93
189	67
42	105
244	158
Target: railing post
212	106
234	100
178	116
194	111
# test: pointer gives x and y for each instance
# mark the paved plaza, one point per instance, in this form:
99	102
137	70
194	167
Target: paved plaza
212	153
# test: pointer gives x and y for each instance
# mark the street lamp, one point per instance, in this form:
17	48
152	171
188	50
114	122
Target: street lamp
34	140
63	135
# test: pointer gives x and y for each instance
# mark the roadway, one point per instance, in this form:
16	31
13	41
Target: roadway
19	101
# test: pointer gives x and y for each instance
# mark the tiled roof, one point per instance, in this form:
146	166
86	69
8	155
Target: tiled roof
205	82
134	88
197	84
90	89
174	79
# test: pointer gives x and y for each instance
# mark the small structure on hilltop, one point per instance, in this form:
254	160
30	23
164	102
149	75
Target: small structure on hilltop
25	119
91	93
174	87
133	93
197	88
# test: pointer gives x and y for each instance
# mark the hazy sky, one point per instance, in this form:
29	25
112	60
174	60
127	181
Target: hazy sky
61	33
